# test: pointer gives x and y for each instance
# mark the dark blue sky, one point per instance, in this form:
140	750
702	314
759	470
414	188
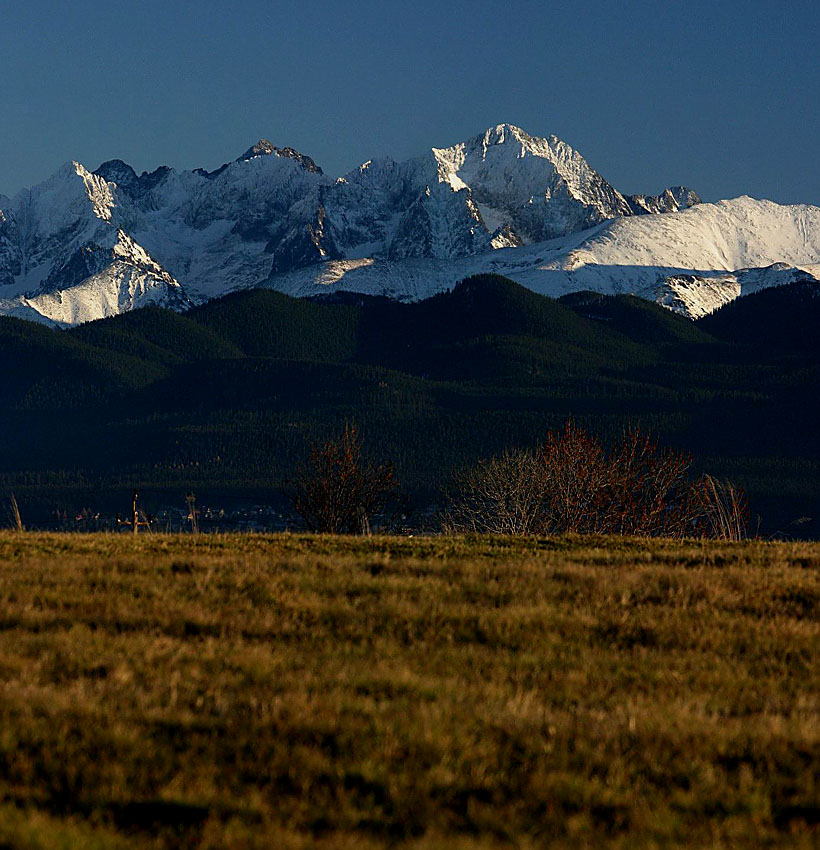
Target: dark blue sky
722	96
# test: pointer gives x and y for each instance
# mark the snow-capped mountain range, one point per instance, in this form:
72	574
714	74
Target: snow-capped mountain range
83	245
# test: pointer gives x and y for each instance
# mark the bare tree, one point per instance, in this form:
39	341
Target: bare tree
338	491
576	477
649	492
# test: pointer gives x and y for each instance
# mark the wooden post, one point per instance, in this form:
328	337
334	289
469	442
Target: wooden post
190	500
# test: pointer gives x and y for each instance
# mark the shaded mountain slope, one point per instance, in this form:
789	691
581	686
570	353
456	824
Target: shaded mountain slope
157	335
46	369
636	318
262	323
785	318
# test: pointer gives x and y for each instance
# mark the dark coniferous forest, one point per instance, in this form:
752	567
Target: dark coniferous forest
226	399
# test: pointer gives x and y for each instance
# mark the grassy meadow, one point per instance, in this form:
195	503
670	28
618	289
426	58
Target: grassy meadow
297	692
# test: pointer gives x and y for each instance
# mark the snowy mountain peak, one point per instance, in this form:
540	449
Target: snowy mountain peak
521	143
264	148
510	134
502	133
539	188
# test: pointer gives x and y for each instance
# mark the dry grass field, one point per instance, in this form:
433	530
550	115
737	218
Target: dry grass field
296	692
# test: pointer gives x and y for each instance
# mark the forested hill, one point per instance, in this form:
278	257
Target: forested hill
225	398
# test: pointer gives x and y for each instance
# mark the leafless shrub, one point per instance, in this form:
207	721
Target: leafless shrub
576	479
503	495
338	491
649	493
572	484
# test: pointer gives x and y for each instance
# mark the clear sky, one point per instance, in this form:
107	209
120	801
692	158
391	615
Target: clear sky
723	96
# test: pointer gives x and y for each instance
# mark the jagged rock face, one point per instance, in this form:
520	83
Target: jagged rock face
304	243
9	247
264	148
178	237
538	188
50	235
674	199
129	185
440	223
85	262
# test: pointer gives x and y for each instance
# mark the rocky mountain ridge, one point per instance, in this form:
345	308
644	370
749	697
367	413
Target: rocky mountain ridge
87	244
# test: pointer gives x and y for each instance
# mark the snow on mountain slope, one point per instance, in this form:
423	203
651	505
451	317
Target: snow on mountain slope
741	233
697	295
541	187
120	287
87	244
108	279
506	188
273	210
691	261
63	260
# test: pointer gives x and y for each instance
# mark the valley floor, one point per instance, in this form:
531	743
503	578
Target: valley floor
294	691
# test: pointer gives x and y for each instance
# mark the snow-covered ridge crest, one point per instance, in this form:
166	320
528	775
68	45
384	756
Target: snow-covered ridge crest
85	243
99	192
692	261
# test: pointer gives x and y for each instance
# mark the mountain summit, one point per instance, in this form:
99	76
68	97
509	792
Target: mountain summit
541	188
86	244
264	148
